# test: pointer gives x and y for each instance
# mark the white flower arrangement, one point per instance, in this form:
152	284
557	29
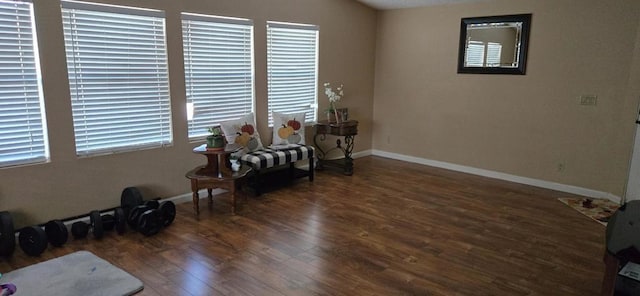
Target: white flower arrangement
334	96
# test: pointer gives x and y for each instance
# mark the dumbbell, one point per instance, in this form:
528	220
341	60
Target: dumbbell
99	224
152	216
33	240
116	221
7	234
130	198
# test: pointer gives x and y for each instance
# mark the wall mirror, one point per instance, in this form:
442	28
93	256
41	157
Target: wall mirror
494	44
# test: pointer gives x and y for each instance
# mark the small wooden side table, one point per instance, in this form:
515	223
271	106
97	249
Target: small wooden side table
216	174
347	129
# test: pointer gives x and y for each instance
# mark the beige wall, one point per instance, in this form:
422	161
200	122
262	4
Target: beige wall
70	186
520	125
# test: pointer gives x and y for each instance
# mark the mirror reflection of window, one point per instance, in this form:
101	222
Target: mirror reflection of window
499	42
480	54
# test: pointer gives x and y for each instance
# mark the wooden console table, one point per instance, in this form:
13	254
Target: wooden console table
347	129
215	174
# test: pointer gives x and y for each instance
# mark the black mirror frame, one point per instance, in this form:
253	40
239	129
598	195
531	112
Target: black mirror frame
524	44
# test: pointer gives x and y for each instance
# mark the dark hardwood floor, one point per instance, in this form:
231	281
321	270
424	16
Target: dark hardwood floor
393	228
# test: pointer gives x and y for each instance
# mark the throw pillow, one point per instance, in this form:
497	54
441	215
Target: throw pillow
242	131
288	128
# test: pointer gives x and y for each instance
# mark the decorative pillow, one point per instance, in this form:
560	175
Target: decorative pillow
288	128
242	131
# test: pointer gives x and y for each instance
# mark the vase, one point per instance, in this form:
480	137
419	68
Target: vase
331	117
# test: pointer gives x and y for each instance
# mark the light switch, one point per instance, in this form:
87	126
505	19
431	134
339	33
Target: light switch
588	100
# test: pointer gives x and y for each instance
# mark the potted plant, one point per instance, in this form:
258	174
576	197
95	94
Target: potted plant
215	140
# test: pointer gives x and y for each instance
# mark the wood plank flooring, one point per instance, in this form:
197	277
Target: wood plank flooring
393	228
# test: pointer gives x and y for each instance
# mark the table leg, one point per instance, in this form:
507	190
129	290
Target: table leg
611	265
196	199
232	190
210	196
348	161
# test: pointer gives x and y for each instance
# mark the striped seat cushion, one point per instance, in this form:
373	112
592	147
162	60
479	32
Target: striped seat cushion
267	158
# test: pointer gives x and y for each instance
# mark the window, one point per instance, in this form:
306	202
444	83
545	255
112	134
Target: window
218	66
117	63
23	136
292	67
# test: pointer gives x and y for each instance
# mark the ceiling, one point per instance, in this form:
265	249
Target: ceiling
396	4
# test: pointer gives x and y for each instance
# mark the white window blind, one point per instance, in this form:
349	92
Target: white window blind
292	67
22	124
218	64
475	54
494	51
117	63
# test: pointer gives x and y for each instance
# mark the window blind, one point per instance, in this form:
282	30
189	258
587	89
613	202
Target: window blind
218	64
494	51
475	54
292	67
22	120
117	64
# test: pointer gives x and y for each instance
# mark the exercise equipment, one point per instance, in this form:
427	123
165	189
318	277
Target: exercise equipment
96	224
153	204
79	230
130	198
7	234
57	233
120	220
32	240
135	214
150	222
108	222
168	210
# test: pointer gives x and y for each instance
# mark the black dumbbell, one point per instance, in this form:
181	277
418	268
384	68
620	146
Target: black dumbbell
32	240
150	222
134	215
120	220
57	233
153	204
168	211
97	226
108	222
7	234
130	198
79	230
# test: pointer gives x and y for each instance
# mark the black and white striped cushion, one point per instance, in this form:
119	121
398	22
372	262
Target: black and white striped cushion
267	158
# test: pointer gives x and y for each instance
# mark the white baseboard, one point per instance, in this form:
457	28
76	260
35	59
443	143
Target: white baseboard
362	153
188	197
501	176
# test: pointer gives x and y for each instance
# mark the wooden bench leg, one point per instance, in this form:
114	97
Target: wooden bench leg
256	179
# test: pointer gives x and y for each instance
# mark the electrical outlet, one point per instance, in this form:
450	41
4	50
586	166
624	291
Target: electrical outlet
561	167
388	139
588	100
